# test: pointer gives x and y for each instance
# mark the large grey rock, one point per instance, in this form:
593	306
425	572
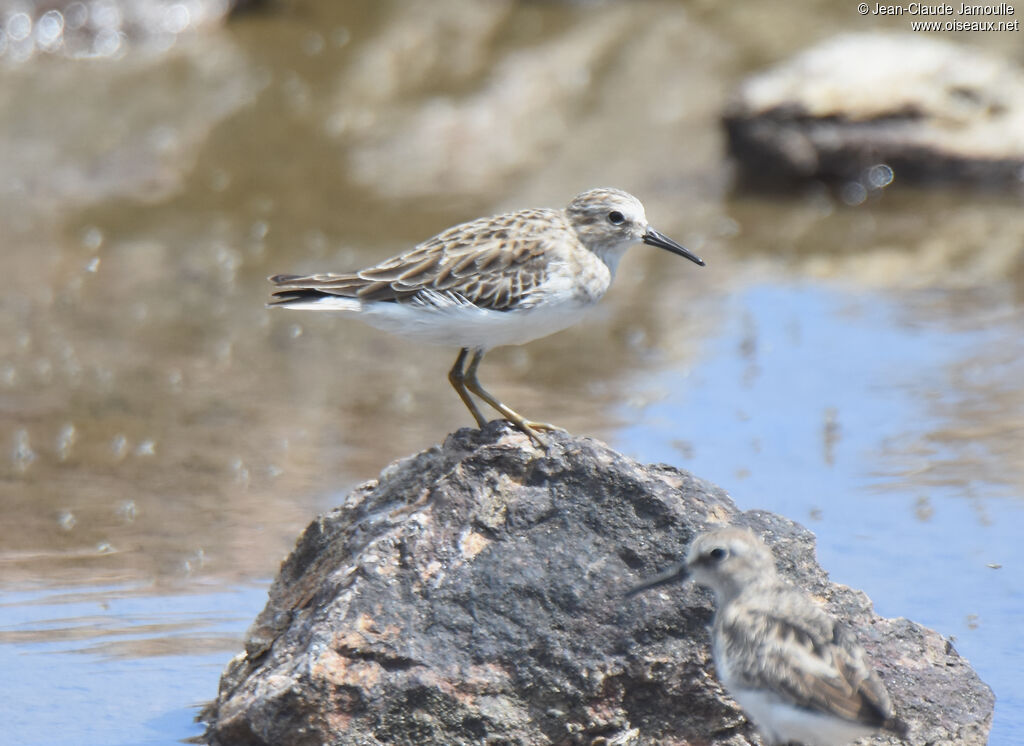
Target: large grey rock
929	109
473	595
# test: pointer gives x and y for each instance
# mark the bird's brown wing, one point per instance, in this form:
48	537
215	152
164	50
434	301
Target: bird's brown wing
492	263
808	658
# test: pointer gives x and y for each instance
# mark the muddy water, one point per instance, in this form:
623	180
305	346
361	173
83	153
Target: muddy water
164	437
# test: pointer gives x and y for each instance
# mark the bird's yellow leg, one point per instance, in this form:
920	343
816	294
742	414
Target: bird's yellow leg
527	426
458	380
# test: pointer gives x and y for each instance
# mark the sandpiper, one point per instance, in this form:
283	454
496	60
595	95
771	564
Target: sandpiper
507	279
796	671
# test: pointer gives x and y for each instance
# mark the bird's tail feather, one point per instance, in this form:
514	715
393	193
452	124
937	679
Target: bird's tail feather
301	292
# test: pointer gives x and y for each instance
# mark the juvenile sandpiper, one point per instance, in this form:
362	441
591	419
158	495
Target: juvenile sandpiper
502	280
797	672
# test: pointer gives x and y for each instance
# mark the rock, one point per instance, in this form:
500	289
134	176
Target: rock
473	595
929	110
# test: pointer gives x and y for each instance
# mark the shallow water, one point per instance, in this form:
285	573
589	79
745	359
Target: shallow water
115	665
165	438
838	416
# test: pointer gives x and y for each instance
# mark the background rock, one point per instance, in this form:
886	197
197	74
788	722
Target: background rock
930	110
473	595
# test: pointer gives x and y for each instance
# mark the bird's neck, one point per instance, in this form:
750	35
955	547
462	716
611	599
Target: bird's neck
610	255
730	590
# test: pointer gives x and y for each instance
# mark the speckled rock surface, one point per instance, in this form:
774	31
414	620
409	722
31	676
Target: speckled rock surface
929	109
473	595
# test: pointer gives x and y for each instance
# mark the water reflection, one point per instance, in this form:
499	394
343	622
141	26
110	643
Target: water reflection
127	662
100	29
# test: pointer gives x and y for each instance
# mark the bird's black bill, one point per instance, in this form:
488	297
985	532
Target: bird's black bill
675	574
653	238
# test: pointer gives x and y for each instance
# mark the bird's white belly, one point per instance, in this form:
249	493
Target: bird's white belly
463	325
782	722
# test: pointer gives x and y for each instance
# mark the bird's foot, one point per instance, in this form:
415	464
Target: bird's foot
546	426
532	434
531	428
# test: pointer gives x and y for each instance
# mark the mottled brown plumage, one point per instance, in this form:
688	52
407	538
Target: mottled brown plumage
493	263
798	672
776	639
494	281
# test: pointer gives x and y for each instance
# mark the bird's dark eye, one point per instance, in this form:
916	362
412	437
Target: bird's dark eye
616	218
717	554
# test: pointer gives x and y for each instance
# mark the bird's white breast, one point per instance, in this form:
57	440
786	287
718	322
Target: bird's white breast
781	722
465	325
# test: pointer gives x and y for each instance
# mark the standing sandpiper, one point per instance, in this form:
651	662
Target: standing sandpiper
507	279
796	671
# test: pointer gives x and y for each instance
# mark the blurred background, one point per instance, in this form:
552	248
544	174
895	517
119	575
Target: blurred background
850	357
